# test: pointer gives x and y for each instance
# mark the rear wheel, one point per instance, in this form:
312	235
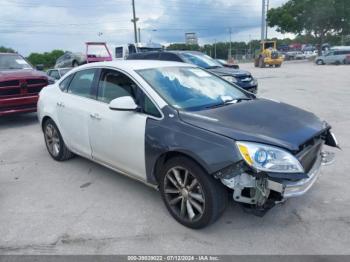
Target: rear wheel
54	142
193	197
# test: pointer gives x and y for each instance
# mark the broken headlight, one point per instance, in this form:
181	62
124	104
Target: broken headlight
269	158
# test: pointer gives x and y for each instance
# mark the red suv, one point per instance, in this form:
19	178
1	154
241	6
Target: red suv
20	84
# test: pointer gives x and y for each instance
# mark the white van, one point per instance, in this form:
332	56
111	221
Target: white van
336	55
122	51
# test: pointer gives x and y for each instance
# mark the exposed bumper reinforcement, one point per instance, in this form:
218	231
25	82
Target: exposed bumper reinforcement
290	189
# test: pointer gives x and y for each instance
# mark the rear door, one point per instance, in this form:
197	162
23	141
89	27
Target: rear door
118	137
74	108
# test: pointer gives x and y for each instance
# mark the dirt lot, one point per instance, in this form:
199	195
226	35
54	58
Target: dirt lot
79	207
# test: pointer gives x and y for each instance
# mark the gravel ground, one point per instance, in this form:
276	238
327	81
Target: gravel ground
78	207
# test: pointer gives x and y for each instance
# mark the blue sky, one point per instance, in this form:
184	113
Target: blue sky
37	26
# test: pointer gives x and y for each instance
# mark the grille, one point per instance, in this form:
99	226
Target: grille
9	83
274	55
34	90
36	82
10	92
244	78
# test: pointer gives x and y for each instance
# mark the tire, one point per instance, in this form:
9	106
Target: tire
278	65
261	62
256	62
319	62
54	142
337	63
75	64
195	201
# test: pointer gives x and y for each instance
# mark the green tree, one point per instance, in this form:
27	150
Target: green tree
48	59
6	50
317	18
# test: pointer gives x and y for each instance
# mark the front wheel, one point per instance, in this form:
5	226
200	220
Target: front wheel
54	142
319	62
193	197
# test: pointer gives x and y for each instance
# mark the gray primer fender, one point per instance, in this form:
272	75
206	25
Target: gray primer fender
212	151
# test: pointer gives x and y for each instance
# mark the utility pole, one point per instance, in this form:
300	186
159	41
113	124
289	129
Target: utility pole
134	19
230	52
215	48
250	46
263	20
139	34
267	9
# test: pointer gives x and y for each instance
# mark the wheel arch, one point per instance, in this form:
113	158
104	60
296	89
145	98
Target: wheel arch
166	156
45	118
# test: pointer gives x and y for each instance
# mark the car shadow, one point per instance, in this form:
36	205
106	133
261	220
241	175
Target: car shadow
20	120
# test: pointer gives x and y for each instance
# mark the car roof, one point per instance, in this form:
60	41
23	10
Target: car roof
130	65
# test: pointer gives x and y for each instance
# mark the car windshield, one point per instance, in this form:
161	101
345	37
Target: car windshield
11	61
200	60
64	71
191	88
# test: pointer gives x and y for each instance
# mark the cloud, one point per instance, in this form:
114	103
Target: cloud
37	26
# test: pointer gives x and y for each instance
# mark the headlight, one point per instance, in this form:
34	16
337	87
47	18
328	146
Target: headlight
268	158
230	79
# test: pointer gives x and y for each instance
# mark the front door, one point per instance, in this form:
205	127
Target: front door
118	137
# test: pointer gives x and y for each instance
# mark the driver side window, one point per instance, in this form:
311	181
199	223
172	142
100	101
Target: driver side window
114	84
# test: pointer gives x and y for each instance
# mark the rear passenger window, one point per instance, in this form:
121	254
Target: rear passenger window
82	82
65	83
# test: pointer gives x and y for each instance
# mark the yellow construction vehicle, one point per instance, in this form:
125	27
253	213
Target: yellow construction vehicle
268	55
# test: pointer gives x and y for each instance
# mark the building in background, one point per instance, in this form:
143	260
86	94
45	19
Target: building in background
191	38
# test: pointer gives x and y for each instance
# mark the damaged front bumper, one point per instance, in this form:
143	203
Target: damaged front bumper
289	189
263	192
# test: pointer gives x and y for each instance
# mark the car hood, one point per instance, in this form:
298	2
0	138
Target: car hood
259	120
6	75
229	71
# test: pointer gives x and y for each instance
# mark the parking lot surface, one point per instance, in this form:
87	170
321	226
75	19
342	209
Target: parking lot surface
79	207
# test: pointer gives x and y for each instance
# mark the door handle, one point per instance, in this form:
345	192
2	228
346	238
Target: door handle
60	104
95	116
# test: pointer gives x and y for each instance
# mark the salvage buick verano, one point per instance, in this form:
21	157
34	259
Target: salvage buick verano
186	131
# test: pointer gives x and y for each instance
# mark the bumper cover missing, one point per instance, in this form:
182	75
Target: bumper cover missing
290	189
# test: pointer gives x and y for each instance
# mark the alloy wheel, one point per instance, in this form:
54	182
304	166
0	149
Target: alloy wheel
184	194
52	140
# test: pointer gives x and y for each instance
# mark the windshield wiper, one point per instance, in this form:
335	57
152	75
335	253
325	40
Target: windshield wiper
213	67
229	102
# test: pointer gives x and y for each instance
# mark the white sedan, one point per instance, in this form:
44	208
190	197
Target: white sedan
186	131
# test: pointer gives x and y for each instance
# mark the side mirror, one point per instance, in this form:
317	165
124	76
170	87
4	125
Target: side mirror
124	103
40	67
